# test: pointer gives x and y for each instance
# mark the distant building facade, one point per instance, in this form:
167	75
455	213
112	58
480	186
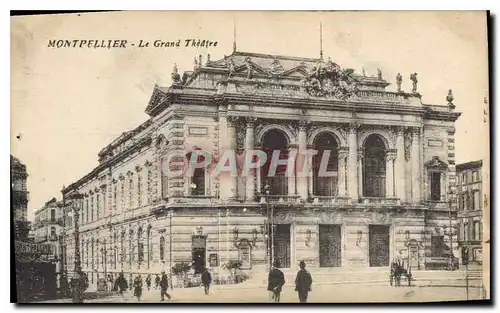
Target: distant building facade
19	198
470	208
48	226
392	157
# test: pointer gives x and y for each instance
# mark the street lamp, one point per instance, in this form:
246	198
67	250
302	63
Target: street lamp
77	282
269	222
450	232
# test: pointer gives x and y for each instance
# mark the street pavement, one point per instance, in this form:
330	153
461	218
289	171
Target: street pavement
340	293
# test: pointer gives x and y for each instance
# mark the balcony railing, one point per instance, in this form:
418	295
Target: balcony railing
276	199
318	200
380	201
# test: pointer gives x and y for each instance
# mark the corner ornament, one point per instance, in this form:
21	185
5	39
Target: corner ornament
330	80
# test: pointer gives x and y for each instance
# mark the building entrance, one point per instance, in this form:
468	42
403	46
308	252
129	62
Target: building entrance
282	245
330	247
199	253
379	245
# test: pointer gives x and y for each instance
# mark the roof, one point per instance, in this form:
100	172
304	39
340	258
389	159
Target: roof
469	165
265	61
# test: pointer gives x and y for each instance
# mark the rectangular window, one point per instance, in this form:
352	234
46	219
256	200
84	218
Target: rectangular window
466	232
477	231
461	202
477	202
435	186
52	215
461	232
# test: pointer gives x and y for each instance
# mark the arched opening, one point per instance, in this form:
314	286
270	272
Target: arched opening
325	181
197	176
275	140
374	174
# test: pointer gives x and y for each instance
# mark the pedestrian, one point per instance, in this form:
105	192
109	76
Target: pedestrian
148	281
109	284
275	283
206	280
164	286
121	283
138	287
157	281
303	282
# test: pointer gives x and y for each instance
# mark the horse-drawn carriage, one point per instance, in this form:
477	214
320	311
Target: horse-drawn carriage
400	271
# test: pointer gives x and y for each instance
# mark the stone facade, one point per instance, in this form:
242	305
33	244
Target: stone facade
470	209
393	164
48	227
19	198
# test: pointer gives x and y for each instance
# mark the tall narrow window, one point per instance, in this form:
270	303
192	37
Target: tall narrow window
52	216
131	193
140	247
87	210
115	189
374	169
139	190
98	205
122	195
435	178
164	180
149	189
325	185
92	208
162	248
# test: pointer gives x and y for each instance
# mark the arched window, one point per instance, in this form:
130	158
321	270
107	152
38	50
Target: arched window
162	248
197	180
140	247
325	185
275	140
374	167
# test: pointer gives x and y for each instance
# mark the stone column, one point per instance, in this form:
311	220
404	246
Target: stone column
389	174
415	165
360	172
400	165
250	145
301	158
343	153
291	164
232	146
352	162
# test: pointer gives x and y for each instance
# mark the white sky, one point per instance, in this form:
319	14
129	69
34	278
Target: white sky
67	104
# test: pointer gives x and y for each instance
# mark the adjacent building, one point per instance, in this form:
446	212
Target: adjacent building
392	190
470	209
48	227
19	198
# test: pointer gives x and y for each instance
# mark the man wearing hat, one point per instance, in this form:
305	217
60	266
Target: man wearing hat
275	282
303	282
164	286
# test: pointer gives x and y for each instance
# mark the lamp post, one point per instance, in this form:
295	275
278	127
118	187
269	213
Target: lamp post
450	232
270	228
77	282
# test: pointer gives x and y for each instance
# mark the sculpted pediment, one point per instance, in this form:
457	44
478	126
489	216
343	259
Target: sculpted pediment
436	163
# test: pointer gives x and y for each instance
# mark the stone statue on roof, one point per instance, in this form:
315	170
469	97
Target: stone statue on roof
176	78
413	78
379	73
230	65
399	80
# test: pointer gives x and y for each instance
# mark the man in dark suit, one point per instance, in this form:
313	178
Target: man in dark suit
303	282
275	282
206	280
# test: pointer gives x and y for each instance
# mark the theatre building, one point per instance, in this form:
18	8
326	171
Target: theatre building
392	158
